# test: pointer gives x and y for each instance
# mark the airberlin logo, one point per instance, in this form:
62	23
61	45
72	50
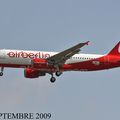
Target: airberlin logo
28	55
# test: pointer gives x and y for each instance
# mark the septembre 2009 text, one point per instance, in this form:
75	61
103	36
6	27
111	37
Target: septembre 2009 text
24	116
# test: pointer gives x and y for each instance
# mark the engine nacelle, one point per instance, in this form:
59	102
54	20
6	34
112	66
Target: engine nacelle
39	63
31	73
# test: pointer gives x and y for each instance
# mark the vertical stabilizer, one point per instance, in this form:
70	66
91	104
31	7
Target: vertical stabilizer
115	50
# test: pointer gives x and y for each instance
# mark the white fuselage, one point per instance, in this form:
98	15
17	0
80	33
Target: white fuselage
22	57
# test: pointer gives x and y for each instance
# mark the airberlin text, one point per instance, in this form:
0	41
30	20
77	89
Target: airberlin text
24	116
28	55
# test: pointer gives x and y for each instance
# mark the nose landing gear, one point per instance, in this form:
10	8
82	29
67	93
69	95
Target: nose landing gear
2	69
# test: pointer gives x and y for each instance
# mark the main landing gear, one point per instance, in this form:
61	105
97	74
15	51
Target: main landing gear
58	73
53	79
2	69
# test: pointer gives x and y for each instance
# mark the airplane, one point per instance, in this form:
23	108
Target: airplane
39	63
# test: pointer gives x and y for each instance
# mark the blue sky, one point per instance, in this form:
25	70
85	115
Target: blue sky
53	25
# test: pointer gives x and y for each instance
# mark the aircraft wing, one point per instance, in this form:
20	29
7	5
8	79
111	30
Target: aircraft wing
60	58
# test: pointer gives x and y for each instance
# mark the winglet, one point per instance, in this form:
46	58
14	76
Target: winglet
87	43
115	50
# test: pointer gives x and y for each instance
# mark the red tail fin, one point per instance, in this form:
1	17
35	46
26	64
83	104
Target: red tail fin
115	50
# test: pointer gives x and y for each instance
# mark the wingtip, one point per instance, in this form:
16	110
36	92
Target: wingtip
87	43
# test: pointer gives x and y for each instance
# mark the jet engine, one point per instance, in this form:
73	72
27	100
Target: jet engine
31	73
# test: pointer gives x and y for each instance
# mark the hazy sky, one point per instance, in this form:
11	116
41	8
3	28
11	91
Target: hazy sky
52	25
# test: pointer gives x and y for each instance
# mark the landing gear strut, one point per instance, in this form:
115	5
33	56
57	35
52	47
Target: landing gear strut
52	79
2	69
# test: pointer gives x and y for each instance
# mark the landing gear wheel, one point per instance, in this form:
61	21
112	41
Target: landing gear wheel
58	73
53	79
1	73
